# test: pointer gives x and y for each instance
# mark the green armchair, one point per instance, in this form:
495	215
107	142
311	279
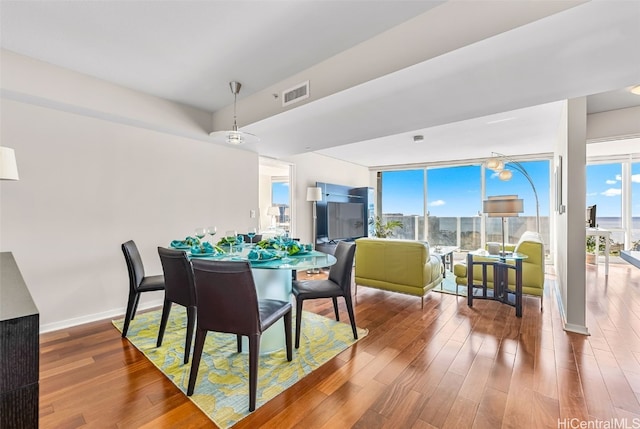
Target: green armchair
529	244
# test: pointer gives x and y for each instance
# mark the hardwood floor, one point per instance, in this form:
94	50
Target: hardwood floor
446	366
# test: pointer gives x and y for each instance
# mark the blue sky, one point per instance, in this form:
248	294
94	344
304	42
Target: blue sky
604	189
280	193
455	191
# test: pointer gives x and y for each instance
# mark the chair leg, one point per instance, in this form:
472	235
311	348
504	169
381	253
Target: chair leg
254	354
352	317
298	320
135	306
239	341
129	314
191	323
166	309
335	307
287	335
201	335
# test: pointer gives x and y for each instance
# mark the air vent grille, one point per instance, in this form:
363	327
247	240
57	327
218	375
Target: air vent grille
295	94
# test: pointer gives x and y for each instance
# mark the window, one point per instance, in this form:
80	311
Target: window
519	185
453	196
280	199
604	189
403	200
454	199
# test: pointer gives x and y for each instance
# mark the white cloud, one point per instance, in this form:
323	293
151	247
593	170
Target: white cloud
612	192
437	203
611	182
618	177
635	178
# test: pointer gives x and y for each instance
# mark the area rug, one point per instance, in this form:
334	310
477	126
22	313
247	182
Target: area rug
222	388
448	285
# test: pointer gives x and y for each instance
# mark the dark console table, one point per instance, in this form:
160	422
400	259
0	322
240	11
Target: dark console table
19	349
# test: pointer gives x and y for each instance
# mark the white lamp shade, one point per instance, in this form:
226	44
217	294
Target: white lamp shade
505	175
503	206
273	211
314	194
495	164
8	165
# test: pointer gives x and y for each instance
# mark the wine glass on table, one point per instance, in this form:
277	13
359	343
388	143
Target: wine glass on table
200	233
284	251
212	230
252	233
231	235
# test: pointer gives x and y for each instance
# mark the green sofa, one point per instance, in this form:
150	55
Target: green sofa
529	244
404	266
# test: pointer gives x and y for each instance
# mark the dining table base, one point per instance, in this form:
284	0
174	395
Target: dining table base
271	284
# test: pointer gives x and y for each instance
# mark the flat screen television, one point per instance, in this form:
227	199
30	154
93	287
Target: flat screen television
591	216
345	221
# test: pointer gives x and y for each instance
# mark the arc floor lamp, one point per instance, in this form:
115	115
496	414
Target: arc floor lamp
499	163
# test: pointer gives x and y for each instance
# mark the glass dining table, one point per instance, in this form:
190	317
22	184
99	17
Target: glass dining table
273	281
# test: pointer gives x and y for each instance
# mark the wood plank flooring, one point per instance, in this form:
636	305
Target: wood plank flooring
446	366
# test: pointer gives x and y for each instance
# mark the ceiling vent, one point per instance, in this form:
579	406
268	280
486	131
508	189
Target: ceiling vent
295	94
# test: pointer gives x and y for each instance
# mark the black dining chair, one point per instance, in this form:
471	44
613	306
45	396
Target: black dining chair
337	284
228	303
138	282
179	288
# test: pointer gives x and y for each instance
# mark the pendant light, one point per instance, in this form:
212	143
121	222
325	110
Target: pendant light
234	136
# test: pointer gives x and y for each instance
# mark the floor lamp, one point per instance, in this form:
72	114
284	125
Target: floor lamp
499	163
314	194
503	206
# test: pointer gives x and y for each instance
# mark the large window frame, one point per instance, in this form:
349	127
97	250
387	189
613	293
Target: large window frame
544	195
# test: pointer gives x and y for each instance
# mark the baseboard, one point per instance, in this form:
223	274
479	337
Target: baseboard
578	329
569	327
117	312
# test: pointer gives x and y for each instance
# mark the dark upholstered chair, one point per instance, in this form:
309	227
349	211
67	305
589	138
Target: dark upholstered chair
338	284
138	282
179	288
228	302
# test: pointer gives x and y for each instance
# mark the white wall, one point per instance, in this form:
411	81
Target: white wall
311	168
89	183
570	232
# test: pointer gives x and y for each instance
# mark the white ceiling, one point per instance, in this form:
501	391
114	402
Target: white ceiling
452	86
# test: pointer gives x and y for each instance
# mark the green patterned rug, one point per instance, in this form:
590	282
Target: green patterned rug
222	388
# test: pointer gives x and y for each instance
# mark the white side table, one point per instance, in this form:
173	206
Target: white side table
599	232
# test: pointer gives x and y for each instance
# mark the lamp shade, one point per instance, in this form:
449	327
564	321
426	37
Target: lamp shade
273	211
8	165
503	206
314	194
505	175
495	164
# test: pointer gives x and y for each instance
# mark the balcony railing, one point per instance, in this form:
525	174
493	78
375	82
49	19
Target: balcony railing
465	232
